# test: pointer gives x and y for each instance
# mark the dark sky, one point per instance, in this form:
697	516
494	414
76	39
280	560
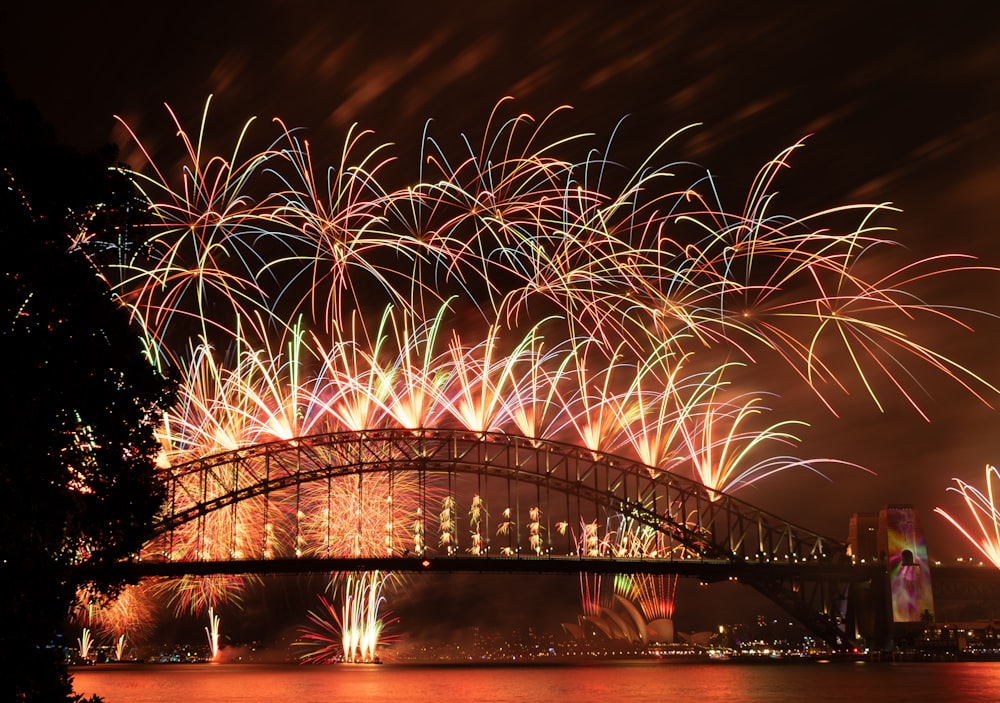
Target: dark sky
902	104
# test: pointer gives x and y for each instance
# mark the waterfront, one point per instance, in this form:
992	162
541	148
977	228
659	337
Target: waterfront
638	682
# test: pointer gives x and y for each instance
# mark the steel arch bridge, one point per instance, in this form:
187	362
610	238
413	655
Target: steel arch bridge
456	500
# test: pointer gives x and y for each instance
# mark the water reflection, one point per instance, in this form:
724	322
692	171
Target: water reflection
634	682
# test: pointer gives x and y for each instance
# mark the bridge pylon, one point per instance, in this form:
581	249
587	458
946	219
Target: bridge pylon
899	605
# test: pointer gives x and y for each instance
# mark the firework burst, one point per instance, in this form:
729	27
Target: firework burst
983	529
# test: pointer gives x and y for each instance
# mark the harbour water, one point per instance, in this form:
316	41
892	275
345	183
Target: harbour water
634	682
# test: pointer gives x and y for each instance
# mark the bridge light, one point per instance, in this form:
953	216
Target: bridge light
426	564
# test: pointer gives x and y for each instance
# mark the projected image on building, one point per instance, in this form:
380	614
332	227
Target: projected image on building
909	572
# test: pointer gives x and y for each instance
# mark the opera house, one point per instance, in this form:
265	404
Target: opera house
622	621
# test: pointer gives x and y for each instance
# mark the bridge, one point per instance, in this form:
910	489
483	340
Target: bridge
455	500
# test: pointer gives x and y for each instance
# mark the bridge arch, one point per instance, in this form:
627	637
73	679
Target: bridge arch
436	480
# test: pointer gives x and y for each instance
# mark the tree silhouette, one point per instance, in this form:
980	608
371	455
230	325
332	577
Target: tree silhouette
78	483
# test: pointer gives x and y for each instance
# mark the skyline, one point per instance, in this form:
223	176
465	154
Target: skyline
940	171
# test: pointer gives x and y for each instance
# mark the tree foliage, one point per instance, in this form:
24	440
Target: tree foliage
78	483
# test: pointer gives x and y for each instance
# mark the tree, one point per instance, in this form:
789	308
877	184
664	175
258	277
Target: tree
78	482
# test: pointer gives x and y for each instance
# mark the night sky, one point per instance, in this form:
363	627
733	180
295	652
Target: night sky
896	104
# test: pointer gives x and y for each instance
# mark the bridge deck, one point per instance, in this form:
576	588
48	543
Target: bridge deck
705	569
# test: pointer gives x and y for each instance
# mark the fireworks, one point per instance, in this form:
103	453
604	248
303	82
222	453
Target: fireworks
353	634
985	535
120	647
322	636
508	290
520	234
126	619
84	642
212	632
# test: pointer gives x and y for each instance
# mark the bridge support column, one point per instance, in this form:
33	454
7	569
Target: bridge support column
869	614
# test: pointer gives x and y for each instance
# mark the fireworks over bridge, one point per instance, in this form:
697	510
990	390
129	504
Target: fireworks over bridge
521	360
